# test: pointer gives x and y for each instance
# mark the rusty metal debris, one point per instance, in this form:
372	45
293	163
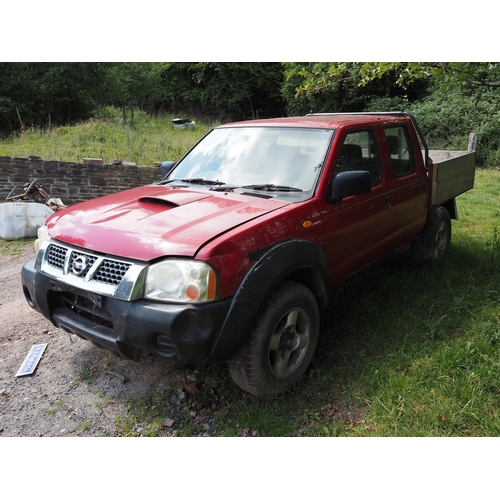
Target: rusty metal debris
37	192
34	191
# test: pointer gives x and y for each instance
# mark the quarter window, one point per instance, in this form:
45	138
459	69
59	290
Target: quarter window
399	144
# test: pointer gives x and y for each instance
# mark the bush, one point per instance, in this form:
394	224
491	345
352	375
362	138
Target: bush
447	119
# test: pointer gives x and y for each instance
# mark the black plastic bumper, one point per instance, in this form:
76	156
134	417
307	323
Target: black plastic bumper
181	332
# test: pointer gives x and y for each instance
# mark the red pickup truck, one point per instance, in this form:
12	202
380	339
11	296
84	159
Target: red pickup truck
230	256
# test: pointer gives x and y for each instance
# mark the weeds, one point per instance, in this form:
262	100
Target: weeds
494	244
83	426
55	409
105	400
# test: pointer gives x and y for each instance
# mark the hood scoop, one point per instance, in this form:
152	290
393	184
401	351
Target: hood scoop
171	197
157	201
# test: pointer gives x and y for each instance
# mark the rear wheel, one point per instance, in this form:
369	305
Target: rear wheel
280	344
434	242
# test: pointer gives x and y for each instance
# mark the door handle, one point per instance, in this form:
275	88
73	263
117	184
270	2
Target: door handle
419	185
386	199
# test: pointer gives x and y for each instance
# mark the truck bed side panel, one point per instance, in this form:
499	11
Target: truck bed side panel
451	173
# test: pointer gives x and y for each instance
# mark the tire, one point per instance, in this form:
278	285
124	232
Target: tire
434	242
280	344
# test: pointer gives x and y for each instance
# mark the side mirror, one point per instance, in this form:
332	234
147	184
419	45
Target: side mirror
166	167
350	184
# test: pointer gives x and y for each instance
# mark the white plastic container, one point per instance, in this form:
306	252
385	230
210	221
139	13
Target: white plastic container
22	220
183	124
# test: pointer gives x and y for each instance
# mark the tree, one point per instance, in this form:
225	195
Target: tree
224	91
40	94
469	77
337	87
134	85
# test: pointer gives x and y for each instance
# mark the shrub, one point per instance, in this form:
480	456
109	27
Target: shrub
447	119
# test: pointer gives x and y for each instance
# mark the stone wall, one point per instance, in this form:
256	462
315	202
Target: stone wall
73	182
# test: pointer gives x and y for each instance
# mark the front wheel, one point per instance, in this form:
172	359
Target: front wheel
434	242
280	344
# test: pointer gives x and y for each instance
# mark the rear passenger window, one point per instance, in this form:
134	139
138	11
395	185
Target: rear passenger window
359	152
400	150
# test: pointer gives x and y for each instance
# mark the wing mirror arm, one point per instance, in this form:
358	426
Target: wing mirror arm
332	198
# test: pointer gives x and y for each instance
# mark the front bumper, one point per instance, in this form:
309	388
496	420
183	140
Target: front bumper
180	332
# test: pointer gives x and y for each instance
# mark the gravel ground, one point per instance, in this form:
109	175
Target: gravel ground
79	389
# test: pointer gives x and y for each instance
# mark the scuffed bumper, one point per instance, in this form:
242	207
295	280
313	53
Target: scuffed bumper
179	332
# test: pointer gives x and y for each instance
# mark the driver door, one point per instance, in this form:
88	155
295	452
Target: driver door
358	229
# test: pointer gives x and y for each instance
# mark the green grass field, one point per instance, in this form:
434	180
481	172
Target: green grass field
152	139
404	351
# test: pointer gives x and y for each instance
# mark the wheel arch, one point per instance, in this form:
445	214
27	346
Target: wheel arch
295	260
281	343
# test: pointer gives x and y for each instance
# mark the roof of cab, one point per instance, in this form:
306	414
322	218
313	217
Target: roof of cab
327	120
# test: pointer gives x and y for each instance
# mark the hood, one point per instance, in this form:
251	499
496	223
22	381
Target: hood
154	221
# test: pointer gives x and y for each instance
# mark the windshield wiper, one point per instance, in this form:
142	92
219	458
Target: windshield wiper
204	182
270	187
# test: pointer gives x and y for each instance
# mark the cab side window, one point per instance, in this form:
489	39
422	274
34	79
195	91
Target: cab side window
399	144
359	151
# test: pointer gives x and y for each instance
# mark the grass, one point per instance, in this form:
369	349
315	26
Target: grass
404	351
14	247
54	410
83	426
421	345
151	140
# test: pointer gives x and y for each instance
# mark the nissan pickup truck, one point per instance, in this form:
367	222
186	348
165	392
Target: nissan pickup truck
229	258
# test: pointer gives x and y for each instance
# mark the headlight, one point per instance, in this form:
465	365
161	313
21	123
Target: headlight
181	281
43	235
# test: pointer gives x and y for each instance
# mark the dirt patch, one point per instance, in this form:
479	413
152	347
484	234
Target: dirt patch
79	389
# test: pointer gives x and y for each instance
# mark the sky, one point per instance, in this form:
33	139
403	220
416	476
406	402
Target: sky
261	30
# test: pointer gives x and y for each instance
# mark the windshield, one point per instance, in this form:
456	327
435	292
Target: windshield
255	157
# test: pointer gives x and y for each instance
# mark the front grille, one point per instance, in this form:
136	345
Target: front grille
57	256
111	272
93	272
